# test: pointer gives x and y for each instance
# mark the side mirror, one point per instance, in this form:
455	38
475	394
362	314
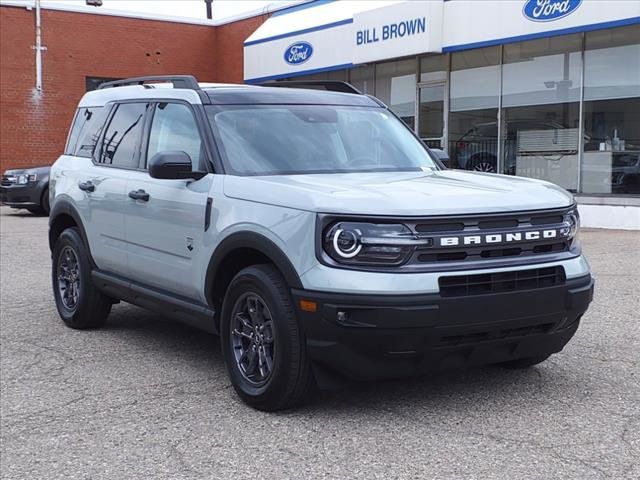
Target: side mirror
172	165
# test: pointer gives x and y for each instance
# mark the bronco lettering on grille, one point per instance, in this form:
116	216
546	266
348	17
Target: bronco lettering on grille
496	238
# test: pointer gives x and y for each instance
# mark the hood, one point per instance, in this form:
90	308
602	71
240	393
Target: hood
405	193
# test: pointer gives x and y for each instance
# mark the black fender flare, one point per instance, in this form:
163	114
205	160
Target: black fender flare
65	207
256	242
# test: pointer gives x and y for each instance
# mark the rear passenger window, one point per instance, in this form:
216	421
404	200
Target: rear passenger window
121	140
86	131
78	120
175	128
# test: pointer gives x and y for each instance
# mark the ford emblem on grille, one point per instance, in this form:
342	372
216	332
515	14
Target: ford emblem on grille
548	10
497	238
298	53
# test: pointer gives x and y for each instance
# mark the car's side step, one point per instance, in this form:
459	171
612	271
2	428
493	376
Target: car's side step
179	308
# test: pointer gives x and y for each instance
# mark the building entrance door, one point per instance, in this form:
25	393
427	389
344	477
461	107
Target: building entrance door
431	114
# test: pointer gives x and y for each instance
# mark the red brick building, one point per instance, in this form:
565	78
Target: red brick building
82	46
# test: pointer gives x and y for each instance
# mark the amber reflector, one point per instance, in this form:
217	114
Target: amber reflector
308	306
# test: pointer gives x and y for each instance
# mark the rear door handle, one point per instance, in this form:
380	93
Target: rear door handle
87	186
139	195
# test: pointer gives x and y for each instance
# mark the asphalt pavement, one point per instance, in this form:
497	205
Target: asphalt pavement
148	398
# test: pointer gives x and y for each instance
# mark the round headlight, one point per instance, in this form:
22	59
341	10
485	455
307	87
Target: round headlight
363	243
572	223
346	243
21	179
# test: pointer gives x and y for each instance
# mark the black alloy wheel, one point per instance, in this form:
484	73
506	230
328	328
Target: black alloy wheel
252	338
68	272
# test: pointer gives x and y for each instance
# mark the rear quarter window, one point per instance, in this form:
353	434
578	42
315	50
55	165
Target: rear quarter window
72	139
85	131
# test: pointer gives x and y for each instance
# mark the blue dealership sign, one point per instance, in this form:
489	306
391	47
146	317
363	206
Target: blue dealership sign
548	10
298	53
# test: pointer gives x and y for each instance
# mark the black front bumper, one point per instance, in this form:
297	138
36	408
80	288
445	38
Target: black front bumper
380	336
21	196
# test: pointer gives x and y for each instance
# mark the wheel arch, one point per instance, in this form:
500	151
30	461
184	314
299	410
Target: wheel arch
240	250
64	215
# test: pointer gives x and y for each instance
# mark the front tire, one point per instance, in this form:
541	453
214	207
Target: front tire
262	343
45	208
80	304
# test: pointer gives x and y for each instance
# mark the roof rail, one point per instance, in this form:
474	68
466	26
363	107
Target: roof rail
188	82
178	81
330	85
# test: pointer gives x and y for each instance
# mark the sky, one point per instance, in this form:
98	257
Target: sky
181	8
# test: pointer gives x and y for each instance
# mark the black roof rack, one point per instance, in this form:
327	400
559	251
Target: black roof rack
178	81
188	82
330	85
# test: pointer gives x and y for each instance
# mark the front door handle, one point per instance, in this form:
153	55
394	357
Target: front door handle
87	186
139	195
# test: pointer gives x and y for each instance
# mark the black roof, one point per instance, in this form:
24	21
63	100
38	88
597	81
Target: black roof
301	92
252	95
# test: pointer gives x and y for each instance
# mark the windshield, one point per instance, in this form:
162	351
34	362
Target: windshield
290	139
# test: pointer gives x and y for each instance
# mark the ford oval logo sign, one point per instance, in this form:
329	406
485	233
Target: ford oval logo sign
548	10
298	53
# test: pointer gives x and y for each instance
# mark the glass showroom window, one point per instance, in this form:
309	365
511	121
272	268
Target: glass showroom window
473	109
362	78
434	68
396	86
431	99
541	82
611	158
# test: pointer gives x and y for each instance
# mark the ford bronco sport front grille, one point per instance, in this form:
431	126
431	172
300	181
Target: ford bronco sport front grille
461	242
492	238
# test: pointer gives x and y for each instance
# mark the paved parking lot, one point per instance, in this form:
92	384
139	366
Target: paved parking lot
148	398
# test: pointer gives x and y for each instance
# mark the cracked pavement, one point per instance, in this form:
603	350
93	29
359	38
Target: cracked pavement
145	397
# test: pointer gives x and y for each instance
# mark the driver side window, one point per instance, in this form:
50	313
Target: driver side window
175	128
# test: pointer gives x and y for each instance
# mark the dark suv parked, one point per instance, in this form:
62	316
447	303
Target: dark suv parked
26	188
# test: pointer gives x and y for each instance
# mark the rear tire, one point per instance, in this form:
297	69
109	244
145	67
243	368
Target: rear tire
262	343
524	362
80	304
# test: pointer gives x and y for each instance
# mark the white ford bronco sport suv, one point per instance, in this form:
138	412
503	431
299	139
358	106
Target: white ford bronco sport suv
312	230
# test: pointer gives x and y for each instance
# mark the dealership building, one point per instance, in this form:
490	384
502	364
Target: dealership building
547	89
